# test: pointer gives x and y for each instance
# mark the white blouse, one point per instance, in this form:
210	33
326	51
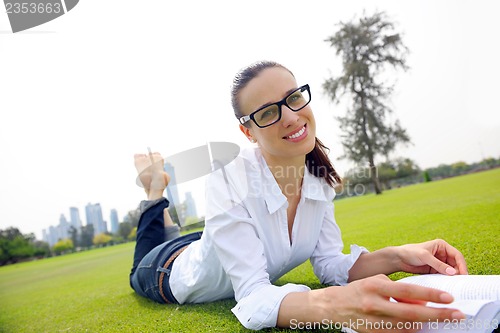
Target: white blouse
246	246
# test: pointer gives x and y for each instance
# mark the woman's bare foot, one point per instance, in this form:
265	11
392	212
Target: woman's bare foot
152	176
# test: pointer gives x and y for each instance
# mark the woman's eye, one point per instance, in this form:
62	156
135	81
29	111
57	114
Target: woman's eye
268	113
295	97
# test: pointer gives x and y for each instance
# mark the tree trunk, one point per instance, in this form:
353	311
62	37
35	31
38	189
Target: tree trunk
373	168
374	176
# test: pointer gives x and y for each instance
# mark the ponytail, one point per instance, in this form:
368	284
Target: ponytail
319	164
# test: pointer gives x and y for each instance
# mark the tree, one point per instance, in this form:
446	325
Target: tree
73	232
441	171
357	175
133	234
20	248
459	168
63	245
42	249
10	233
490	162
133	217
15	246
86	236
367	47
405	167
386	172
427	177
101	239
124	229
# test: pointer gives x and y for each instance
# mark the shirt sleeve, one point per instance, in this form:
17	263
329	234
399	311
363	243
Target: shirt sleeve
268	299
330	265
241	254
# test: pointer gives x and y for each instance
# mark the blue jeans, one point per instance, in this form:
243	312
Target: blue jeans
152	252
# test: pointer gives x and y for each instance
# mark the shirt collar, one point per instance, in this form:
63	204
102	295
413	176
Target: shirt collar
316	188
272	194
313	188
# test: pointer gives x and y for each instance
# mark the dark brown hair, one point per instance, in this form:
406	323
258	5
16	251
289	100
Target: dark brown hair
317	160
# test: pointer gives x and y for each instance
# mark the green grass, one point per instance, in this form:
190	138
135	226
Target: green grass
465	211
89	292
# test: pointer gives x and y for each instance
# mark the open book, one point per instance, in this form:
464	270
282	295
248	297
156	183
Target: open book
477	296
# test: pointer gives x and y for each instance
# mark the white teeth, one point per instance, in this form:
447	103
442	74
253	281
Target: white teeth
299	133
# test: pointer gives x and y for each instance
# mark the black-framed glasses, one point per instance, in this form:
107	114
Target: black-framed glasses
270	114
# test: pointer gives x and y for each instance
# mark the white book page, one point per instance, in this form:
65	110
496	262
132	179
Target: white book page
485	321
462	287
469	307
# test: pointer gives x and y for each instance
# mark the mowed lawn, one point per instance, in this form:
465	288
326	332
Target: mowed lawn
89	291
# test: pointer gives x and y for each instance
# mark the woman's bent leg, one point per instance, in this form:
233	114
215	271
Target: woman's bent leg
150	232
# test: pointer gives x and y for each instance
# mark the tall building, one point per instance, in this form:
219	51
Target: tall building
93	214
50	235
74	218
173	193
63	227
113	217
190	205
54	234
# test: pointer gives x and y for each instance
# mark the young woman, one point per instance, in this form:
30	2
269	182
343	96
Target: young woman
270	210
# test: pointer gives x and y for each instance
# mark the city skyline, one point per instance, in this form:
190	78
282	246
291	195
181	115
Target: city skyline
94	216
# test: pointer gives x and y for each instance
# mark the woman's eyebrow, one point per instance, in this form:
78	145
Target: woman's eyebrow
288	92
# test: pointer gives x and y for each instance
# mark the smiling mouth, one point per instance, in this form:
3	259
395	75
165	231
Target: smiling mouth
296	135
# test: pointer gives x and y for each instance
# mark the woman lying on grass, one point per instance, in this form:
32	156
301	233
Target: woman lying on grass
270	210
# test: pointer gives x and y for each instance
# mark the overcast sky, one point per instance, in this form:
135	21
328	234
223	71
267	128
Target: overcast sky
81	94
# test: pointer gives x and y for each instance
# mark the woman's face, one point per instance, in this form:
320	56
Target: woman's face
276	141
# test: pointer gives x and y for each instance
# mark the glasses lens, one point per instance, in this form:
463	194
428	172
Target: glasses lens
267	116
298	99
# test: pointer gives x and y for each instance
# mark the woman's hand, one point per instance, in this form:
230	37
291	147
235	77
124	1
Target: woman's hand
436	256
365	304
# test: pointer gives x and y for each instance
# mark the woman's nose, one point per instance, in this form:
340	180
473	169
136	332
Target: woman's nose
288	117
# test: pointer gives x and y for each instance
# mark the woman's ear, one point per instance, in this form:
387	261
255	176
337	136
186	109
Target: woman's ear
247	132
